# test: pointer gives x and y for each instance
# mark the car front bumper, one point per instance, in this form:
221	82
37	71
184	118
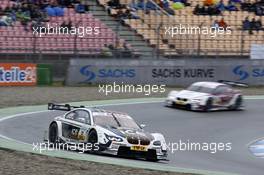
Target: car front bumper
125	151
184	105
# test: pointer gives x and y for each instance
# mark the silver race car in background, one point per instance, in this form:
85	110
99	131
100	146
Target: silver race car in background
106	132
206	96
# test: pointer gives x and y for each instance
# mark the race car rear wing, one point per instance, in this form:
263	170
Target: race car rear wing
233	83
65	107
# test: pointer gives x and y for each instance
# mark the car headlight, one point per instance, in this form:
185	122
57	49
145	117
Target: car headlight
113	138
157	143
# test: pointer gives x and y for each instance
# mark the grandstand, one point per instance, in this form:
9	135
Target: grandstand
14	39
238	43
144	37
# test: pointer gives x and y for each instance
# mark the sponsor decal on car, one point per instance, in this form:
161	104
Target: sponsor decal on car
138	148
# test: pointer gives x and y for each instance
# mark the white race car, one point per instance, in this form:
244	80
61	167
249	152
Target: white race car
206	96
104	131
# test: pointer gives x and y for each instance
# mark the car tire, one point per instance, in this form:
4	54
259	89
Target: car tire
53	133
93	139
189	107
238	103
208	104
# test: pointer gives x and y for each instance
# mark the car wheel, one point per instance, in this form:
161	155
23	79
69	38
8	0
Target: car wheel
238	103
93	139
189	107
53	133
208	104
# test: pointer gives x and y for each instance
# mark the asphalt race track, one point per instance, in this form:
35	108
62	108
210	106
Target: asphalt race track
238	127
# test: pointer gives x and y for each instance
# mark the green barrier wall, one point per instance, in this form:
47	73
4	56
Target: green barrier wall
44	74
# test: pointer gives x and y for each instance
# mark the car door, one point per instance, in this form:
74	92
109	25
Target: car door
222	95
75	125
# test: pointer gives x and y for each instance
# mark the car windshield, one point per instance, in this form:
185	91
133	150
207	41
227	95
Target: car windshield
105	120
126	122
200	89
115	121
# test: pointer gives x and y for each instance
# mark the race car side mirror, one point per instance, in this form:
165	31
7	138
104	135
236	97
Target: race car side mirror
50	106
142	126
